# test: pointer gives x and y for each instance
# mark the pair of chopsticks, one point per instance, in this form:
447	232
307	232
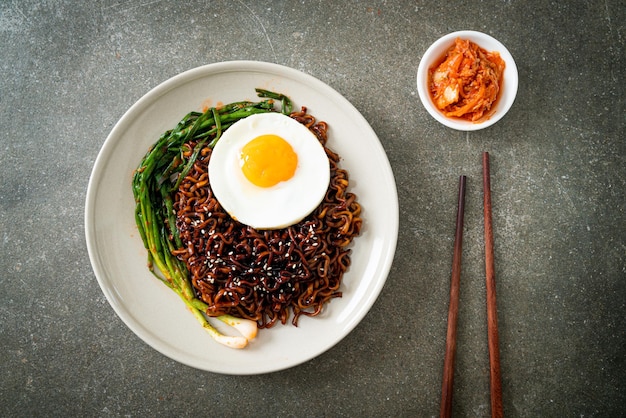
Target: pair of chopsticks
453	309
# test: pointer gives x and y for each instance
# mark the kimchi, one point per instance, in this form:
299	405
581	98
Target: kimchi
467	82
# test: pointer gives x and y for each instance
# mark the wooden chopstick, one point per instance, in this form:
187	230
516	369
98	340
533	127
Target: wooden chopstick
453	309
492	314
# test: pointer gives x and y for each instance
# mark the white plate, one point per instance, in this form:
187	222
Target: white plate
154	312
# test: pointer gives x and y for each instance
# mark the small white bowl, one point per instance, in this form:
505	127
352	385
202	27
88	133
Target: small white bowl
509	87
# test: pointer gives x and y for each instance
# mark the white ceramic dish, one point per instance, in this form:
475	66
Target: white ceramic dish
155	313
509	88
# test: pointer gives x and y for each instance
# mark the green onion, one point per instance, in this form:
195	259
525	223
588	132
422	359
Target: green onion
153	189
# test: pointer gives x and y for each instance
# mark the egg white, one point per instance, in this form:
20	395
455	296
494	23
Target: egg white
279	206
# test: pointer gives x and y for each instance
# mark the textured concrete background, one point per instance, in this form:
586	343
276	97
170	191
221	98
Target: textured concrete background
70	69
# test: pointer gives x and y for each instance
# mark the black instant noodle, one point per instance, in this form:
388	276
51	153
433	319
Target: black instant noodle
265	275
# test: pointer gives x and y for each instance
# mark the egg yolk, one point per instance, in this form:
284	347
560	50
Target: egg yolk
267	160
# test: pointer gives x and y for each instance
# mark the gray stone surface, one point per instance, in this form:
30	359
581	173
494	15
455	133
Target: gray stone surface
70	69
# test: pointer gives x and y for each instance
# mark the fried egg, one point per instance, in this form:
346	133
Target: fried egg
269	171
